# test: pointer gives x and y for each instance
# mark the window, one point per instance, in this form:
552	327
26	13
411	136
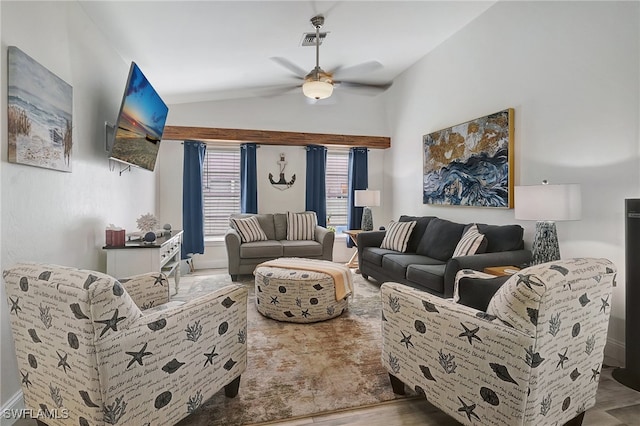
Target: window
337	187
220	188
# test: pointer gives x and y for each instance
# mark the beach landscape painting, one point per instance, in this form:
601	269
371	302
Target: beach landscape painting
470	164
39	109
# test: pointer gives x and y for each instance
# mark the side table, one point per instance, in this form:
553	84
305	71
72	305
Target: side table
138	257
353	234
501	271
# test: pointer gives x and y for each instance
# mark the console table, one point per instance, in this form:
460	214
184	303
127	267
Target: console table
139	257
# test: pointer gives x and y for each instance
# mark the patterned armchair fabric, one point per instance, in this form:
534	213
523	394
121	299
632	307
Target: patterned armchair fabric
88	355
534	358
147	290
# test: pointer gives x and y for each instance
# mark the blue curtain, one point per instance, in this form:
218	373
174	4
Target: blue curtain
316	191
192	204
358	179
248	179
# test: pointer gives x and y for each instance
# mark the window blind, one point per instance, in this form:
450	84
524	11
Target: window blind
337	186
220	188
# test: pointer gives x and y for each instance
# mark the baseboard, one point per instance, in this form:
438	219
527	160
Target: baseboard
614	353
14	405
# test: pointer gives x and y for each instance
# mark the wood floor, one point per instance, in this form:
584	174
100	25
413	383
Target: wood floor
616	405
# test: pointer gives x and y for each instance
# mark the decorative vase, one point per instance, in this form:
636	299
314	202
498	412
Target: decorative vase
367	220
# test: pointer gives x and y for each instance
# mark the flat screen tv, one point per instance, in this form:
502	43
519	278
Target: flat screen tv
140	123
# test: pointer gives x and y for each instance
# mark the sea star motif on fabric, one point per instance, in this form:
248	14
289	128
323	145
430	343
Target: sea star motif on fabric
468	409
210	356
159	280
25	379
111	323
406	339
138	356
470	334
563	358
528	280
62	362
14	305
274	300
605	305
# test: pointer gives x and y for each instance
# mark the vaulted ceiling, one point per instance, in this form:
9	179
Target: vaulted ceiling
208	50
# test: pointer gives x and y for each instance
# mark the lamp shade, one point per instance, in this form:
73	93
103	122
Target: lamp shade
316	89
548	202
366	198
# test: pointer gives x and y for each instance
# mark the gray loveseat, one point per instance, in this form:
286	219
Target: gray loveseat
427	264
244	257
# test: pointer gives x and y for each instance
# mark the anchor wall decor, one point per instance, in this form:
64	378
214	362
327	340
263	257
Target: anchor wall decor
282	183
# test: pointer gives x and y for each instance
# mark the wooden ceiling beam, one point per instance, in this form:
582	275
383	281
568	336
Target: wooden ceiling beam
270	137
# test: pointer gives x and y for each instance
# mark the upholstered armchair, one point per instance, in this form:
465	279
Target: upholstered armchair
534	358
89	355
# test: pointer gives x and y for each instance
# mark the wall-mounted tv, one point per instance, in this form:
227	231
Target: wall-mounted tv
140	123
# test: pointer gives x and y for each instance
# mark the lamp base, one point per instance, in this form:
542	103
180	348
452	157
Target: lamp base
367	220
545	243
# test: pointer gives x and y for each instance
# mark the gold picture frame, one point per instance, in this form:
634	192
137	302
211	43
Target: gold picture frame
471	164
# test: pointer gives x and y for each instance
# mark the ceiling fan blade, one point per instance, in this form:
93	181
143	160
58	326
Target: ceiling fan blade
272	91
363	88
284	62
356	70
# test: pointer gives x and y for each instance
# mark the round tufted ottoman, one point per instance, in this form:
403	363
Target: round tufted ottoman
296	295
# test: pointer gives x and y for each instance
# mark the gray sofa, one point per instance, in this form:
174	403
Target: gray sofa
427	264
244	257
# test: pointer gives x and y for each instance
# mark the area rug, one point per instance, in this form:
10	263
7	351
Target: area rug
299	370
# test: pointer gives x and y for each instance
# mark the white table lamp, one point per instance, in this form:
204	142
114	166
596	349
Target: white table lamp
366	198
547	204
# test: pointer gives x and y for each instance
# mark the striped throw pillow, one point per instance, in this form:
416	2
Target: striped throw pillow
249	229
397	236
301	226
470	242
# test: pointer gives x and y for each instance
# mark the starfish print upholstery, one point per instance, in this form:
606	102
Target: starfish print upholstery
470	334
138	356
111	323
210	356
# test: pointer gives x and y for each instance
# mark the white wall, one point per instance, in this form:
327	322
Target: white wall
50	216
570	70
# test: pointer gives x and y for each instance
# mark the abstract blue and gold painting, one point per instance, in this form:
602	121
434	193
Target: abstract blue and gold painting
470	164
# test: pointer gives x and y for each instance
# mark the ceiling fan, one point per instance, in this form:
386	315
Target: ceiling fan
319	84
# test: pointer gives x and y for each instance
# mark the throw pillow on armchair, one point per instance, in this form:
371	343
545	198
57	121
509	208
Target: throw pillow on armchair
477	292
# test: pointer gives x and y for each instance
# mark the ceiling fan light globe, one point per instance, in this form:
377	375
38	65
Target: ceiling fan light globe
317	89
